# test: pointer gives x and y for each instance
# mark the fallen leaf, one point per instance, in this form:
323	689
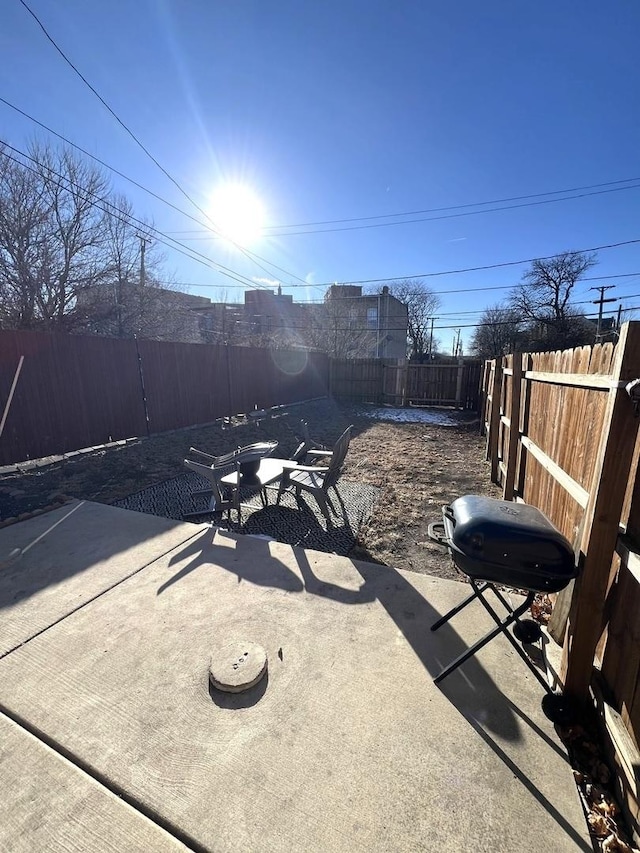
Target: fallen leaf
615	844
607	808
598	825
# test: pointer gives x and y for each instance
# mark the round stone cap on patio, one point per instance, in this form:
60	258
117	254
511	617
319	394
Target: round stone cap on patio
237	666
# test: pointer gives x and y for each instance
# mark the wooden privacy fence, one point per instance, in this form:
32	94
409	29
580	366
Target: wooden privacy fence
73	392
401	383
562	434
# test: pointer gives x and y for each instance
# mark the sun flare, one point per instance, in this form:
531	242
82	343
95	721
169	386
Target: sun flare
238	213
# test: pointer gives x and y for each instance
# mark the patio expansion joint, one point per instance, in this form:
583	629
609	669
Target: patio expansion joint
100	594
122	794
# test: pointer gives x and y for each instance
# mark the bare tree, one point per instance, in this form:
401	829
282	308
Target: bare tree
544	298
128	302
337	327
52	245
422	304
70	254
501	330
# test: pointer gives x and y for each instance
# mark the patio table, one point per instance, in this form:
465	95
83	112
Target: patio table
253	468
267	472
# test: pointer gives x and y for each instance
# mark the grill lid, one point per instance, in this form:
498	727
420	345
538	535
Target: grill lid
507	542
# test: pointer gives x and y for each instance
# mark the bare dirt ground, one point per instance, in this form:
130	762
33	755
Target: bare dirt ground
418	467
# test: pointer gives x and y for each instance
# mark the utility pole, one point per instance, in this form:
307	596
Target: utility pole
456	342
600	302
143	247
431	340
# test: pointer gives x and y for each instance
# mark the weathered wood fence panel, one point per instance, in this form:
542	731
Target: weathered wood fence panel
370	380
358	379
78	391
430	384
559	403
575	456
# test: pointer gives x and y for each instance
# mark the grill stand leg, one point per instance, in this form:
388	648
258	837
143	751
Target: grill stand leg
502	626
477	591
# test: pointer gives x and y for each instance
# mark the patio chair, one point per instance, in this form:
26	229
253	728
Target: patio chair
308	449
225	496
317	480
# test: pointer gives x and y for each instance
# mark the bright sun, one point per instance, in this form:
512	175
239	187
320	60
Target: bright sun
237	213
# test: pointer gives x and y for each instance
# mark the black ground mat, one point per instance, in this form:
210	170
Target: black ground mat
294	521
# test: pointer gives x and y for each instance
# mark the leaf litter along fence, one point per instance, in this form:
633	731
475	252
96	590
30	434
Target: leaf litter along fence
74	392
562	434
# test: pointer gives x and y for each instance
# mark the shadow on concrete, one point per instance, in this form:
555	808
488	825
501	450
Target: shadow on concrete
79	540
471	690
201	551
410	611
535	792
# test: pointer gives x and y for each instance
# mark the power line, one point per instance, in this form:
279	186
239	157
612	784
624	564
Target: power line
434	292
449	207
457	206
109	207
386	329
255	285
463	270
479	268
122	175
106	165
252	255
273	233
323	284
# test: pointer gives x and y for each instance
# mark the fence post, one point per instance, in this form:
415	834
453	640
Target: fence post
514	428
142	388
459	376
494	422
482	398
525	404
602	518
401	386
229	383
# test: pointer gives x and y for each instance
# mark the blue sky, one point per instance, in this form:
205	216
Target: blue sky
347	109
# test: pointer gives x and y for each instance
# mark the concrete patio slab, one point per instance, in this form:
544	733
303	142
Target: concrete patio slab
49	804
346	744
54	563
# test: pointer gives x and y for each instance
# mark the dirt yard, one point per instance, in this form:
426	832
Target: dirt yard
418	467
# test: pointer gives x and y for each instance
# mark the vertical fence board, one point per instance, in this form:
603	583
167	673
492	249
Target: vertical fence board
358	379
493	437
185	384
514	427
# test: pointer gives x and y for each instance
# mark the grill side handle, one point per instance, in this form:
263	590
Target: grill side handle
437	533
448	522
441	532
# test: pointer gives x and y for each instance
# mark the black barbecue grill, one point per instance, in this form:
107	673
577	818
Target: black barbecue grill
494	543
